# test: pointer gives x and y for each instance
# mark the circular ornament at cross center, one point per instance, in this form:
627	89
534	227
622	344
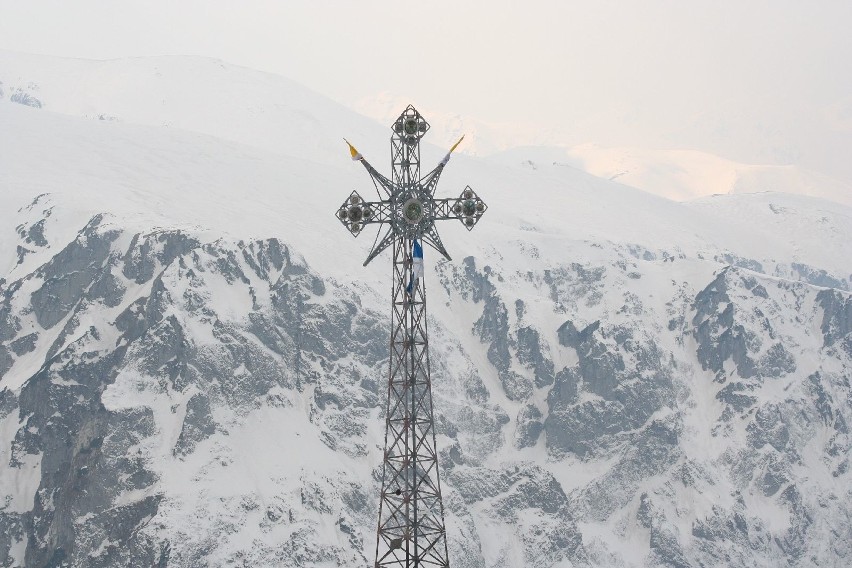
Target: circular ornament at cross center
412	210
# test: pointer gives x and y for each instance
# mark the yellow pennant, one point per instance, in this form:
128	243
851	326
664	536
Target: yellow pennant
447	157
356	155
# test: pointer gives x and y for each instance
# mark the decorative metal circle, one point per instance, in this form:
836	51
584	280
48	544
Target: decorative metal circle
413	211
410	125
480	207
469	207
469	221
342	214
367	212
355	213
355	199
355	227
468	194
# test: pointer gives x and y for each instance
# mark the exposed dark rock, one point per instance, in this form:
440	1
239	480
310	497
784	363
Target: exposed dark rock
493	328
480	286
529	427
626	395
769	428
530	353
837	319
75	477
663	542
23	345
565	390
734	395
69	274
147	251
33	234
12	530
26	99
651	451
793	543
760	291
599	366
198	424
734	260
728	537
478	483
718	337
6	360
9	323
774	475
818	277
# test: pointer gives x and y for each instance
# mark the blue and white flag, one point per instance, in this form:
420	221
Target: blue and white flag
416	267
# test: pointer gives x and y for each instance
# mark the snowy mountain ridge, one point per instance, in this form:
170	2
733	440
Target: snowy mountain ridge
192	357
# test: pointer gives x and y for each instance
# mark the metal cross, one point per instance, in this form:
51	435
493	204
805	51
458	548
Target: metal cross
411	531
408	205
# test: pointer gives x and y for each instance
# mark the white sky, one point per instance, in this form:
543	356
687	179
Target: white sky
758	81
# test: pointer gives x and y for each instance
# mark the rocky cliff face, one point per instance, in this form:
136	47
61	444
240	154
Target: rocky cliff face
167	400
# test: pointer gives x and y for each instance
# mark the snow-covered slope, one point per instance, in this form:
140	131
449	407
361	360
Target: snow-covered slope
192	357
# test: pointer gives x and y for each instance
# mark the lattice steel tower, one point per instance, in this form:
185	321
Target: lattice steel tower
411	529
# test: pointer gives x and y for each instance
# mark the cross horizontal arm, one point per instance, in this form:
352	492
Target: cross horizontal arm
355	213
467	208
444	209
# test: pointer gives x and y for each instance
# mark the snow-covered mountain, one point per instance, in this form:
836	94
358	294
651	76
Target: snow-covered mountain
192	357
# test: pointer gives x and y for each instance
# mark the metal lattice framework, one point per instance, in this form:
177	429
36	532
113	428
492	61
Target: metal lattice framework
411	529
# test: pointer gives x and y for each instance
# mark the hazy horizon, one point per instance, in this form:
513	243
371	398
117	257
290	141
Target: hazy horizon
757	82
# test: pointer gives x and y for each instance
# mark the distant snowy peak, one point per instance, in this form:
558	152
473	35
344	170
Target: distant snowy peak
680	175
180	92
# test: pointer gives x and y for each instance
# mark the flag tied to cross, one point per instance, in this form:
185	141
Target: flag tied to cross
416	267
